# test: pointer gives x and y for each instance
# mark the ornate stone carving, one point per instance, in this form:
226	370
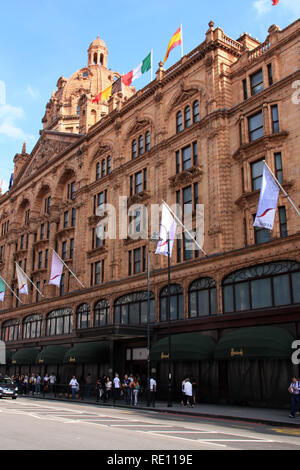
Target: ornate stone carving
186	176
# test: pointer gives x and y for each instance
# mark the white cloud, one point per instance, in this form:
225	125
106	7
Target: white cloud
8	115
33	92
264	6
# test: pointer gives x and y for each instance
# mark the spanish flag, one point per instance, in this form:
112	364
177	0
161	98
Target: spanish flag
176	40
103	95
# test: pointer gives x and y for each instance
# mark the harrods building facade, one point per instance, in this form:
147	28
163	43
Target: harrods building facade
197	134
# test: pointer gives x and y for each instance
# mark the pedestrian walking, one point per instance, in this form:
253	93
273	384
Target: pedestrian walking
88	385
182	392
116	389
38	384
294	389
108	389
26	384
74	386
188	393
135	387
52	382
126	389
32	384
46	383
194	387
153	388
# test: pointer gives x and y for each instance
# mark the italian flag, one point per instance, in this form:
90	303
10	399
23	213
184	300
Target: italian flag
143	67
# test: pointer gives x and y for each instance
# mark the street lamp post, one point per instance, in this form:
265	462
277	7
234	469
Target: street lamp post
169	332
148	329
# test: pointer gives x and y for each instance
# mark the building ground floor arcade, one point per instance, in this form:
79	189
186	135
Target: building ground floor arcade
233	321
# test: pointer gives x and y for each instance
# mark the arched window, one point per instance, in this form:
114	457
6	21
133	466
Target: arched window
10	330
59	322
202	297
196	115
133	148
265	285
95	58
179	122
101	59
131	309
187	116
102	313
141	145
32	326
176	303
83	315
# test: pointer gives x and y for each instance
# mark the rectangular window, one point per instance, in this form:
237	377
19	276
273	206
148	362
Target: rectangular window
97	171
38	285
282	221
256	174
73	190
278	166
97	272
40	260
138	183
177	161
145	179
137	260
64	250
46	258
245	93
22	242
73	220
275	118
270	74
109	165
129	263
47	203
42	232
66	219
255	125
261	235
62	285
71	248
48	229
186	158
195	153
256	82
103	168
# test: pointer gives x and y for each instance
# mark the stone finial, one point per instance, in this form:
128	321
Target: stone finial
211	24
24	148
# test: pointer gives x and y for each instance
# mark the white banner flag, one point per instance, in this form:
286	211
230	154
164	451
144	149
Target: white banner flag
22	281
56	270
167	231
267	202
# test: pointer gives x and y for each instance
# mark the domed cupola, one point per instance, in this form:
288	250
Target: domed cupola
97	53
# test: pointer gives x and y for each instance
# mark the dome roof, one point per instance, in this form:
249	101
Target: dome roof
97	43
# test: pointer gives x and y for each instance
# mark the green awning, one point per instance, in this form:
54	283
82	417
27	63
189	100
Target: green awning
8	355
185	346
52	355
256	342
24	357
87	353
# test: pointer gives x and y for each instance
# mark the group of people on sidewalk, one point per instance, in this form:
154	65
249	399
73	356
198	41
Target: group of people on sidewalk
34	384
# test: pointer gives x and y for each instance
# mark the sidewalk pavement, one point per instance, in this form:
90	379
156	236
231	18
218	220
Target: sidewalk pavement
267	416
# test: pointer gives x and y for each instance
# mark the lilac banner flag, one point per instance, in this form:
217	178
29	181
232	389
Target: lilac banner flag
167	231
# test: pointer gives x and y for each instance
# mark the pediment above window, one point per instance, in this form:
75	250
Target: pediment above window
186	176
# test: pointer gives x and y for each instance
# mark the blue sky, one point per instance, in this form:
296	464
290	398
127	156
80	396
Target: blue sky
40	40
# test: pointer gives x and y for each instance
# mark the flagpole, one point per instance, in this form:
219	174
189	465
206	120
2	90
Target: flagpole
186	230
11	290
284	192
68	269
29	280
151	65
181	40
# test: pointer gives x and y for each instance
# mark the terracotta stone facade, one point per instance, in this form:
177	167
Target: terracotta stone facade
194	133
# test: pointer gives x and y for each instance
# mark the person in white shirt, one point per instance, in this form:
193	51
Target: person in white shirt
153	386
74	386
294	390
108	387
188	393
52	381
117	388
